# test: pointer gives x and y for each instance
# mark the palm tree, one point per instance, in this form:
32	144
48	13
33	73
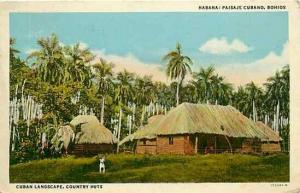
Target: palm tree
164	94
124	87
178	66
103	71
12	50
189	93
275	86
77	64
144	93
221	91
240	100
203	81
144	90
123	94
254	94
49	60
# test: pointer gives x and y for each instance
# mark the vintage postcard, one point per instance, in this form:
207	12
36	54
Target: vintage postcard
131	96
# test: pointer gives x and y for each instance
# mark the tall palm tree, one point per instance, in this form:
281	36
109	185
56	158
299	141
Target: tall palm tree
221	91
240	100
285	75
104	73
178	67
144	93
144	90
255	95
124	87
204	79
12	50
189	93
78	59
275	96
49	60
164	94
123	94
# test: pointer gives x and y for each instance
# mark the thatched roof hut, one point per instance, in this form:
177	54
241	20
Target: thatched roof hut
91	131
190	118
189	127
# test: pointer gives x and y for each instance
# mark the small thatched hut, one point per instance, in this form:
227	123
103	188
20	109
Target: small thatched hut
192	128
91	136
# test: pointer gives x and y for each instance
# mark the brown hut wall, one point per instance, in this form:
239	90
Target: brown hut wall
270	147
92	149
146	146
250	146
178	146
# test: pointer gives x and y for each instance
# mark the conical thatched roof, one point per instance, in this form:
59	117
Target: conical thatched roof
271	135
146	132
92	131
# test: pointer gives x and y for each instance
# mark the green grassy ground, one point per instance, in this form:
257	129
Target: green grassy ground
160	168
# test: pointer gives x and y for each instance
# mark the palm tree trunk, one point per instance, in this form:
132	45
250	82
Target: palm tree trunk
254	113
143	115
274	121
266	119
177	93
277	117
119	128
130	124
102	110
13	139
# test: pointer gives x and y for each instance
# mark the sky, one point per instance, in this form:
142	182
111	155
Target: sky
242	46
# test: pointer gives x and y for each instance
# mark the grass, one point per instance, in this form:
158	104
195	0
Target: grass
158	168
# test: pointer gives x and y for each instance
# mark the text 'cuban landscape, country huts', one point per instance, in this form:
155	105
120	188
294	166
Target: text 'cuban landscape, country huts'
202	128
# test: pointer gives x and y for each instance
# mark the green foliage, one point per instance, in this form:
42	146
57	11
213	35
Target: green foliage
55	73
160	168
26	146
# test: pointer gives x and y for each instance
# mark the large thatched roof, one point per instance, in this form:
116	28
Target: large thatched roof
210	119
271	135
92	131
205	119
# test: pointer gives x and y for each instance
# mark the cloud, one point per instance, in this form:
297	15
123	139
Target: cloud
257	71
83	45
133	64
223	46
29	51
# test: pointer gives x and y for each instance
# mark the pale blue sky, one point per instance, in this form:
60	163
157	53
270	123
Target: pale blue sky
148	36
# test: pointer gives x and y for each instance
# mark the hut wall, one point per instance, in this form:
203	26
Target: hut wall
270	147
175	144
146	146
92	149
250	146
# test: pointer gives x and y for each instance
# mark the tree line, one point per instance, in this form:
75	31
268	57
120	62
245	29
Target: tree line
57	82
